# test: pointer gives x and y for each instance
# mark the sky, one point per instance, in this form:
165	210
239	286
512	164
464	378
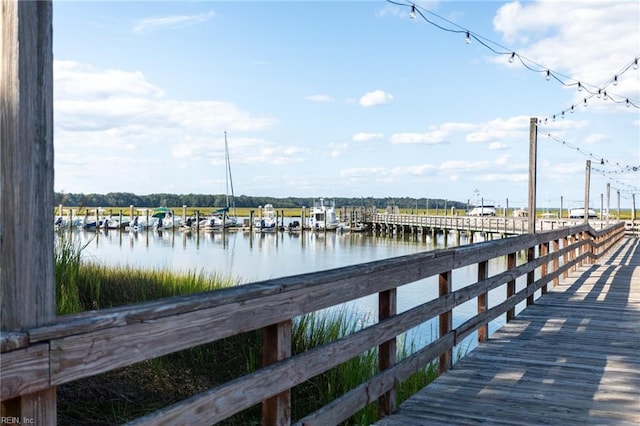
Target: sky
348	99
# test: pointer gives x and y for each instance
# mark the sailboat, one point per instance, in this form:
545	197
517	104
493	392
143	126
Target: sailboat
220	218
232	220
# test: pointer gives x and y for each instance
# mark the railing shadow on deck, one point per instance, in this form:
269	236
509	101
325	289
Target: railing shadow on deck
90	343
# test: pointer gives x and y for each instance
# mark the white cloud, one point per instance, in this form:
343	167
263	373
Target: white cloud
171	21
375	98
494	146
74	80
595	138
319	98
500	129
366	137
429	138
590	41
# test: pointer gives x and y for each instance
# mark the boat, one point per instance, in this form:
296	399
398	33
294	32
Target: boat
323	216
268	220
161	218
227	220
579	213
482	211
218	219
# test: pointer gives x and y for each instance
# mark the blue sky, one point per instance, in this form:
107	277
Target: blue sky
346	99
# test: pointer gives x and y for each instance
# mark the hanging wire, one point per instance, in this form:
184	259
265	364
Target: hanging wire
601	160
497	48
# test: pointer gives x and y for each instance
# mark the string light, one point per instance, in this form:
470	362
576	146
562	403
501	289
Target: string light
602	160
531	65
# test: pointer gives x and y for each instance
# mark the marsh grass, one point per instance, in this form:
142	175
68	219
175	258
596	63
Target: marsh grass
127	393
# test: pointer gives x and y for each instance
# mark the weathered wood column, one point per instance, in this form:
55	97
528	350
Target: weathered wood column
387	307
277	346
27	280
445	287
483	300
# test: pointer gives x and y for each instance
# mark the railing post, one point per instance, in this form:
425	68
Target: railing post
387	306
567	256
511	285
483	300
544	268
531	276
276	340
445	320
556	262
27	275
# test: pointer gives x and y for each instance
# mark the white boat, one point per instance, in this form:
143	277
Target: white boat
218	219
579	214
161	218
323	215
482	211
267	220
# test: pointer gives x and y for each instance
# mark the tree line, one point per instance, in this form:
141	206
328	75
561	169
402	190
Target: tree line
125	199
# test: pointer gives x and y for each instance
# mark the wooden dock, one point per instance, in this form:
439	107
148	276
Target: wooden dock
571	358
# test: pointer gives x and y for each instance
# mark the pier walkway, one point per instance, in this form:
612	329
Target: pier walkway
571	358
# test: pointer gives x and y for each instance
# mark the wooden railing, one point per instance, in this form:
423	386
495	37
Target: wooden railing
90	343
490	224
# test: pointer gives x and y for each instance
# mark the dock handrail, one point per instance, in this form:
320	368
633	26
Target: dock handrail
90	343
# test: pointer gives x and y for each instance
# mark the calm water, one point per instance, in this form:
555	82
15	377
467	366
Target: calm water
251	256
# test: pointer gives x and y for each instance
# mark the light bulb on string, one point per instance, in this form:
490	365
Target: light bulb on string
604	95
615	80
599	93
635	64
579	87
628	103
548	76
512	57
562	114
584	103
467	39
571	110
412	14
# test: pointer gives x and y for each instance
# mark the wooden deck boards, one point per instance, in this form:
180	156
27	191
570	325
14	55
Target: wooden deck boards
572	358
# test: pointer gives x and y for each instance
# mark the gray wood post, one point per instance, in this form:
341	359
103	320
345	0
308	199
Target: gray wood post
533	154
608	203
587	185
27	277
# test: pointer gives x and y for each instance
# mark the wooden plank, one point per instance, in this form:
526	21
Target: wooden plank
24	371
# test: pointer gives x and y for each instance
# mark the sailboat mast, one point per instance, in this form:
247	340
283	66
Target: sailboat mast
229	179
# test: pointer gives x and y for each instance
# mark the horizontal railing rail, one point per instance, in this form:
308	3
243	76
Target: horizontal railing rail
90	343
491	224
